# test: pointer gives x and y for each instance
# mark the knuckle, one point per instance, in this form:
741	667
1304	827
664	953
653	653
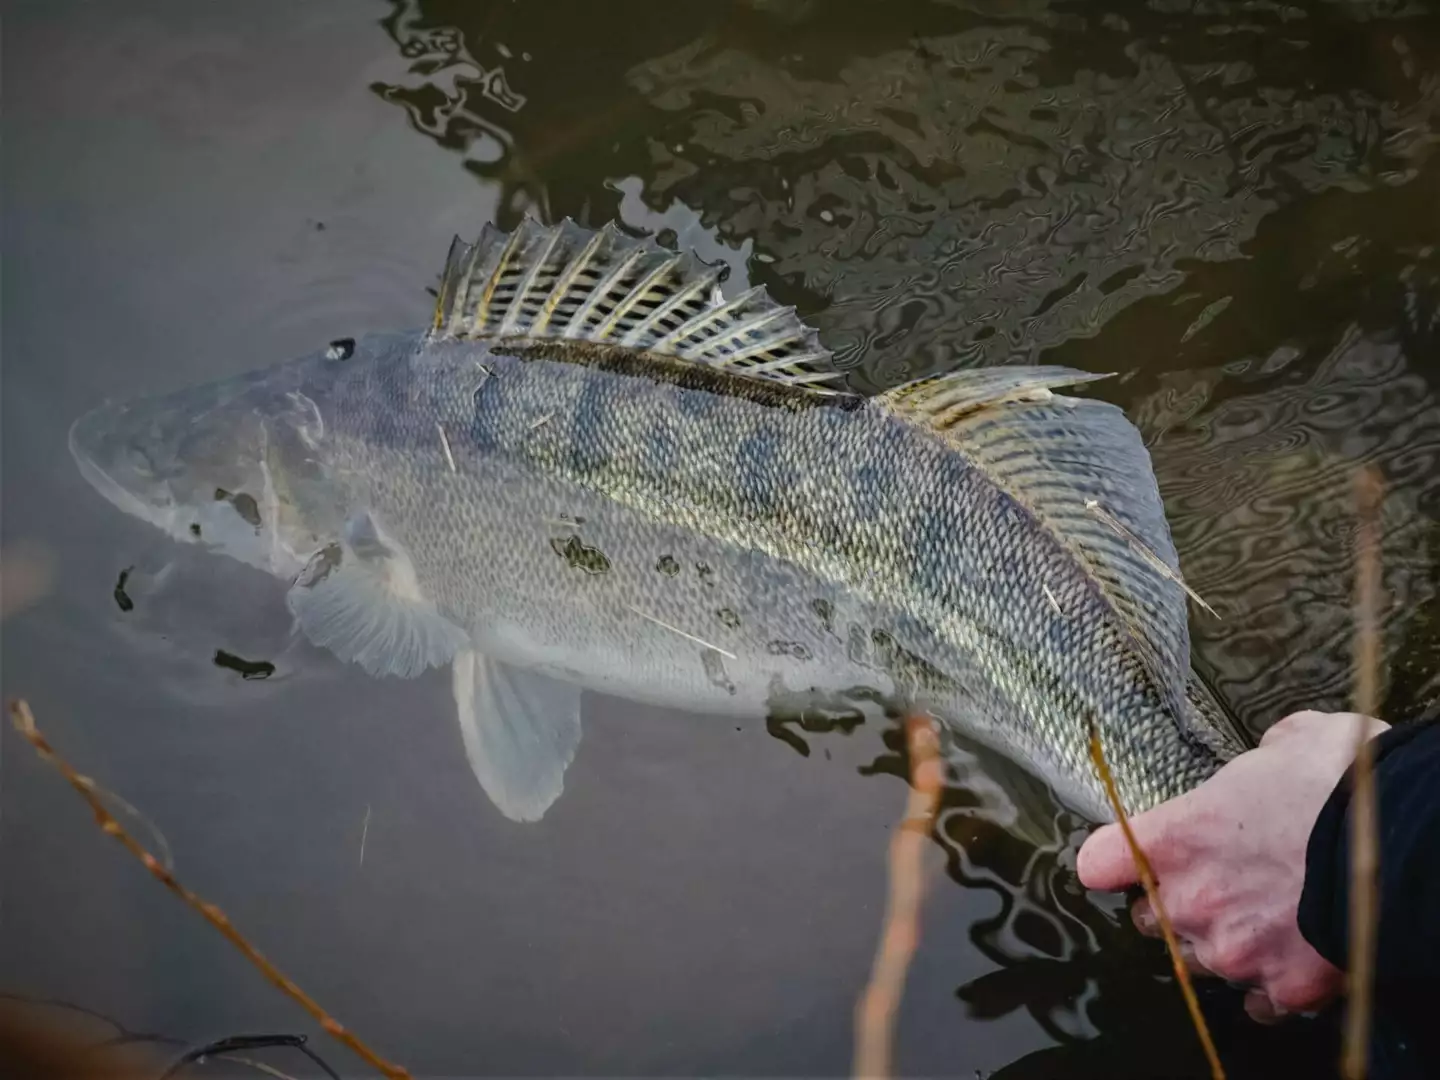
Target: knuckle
1295	994
1288	725
1171	840
1205	898
1234	956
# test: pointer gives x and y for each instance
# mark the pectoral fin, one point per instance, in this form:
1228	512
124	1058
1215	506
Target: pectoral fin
520	731
359	599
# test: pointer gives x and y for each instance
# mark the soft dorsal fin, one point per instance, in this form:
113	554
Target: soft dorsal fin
1079	466
564	281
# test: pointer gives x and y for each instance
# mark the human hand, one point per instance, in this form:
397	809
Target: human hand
1229	861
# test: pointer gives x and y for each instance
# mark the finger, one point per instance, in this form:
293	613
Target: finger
1192	961
1105	860
1261	1009
1288	726
1304	988
1143	916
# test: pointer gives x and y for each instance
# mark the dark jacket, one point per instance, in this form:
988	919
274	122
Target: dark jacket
1406	1016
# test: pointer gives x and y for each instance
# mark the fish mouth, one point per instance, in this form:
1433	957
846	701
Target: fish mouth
113	467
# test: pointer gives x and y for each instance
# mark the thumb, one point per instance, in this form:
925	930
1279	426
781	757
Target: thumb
1105	862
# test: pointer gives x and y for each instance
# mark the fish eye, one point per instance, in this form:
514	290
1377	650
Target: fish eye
341	349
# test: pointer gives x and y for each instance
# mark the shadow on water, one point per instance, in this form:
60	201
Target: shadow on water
1231	207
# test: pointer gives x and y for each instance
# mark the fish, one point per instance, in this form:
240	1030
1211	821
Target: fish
596	470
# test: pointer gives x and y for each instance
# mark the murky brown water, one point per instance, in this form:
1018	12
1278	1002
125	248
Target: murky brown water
1232	205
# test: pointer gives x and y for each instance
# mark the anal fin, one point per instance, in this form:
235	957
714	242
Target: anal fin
520	730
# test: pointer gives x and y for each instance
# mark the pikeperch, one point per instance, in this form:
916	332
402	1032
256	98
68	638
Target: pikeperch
594	470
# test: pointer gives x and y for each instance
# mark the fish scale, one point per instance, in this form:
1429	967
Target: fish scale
590	473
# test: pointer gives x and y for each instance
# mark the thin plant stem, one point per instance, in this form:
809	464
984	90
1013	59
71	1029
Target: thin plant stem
24	722
1147	879
879	1004
1364	812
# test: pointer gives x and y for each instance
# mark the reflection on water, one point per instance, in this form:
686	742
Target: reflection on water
1260	491
938	185
1226	203
1229	204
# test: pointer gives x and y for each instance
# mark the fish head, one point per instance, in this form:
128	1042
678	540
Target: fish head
235	466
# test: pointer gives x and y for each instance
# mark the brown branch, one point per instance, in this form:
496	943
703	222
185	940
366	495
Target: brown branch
24	722
1147	879
880	1002
1364	813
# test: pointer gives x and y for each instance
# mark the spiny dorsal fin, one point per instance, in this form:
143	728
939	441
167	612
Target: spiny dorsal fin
1063	459
564	281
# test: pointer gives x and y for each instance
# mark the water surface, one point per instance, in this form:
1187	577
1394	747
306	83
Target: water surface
1231	205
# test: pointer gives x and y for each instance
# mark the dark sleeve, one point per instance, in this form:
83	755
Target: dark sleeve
1405	1034
1407	784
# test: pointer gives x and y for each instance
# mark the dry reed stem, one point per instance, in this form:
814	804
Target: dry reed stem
876	1010
24	722
1364	816
1147	879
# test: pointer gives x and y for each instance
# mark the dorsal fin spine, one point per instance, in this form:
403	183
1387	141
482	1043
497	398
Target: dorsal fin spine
811	377
786	361
639	293
445	300
692	326
742	330
513	316
563	283
576	325
467	278
568	283
482	309
699	286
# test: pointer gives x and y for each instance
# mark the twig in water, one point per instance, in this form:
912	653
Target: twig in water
364	832
166	859
542	421
1364	813
228	1046
690	637
1147	879
24	722
445	445
880	1002
1053	602
1149	556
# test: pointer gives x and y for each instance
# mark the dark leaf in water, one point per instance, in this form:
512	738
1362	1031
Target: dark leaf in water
122	598
248	669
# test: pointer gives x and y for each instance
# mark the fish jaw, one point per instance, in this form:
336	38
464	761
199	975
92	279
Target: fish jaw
236	466
123	474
